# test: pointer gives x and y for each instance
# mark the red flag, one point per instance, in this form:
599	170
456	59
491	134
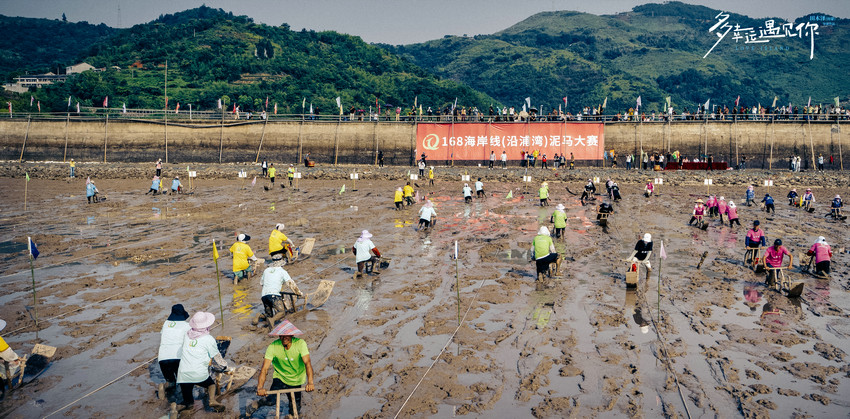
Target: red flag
275	108
234	108
106	101
39	106
166	102
267	102
178	108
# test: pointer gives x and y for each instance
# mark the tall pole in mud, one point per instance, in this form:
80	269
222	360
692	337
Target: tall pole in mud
336	142
105	136
375	136
840	159
812	144
165	114
300	126
262	137
67	121
457	283
218	279
221	133
26	136
772	141
34	298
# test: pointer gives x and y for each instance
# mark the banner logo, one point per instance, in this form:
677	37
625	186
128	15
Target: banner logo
431	142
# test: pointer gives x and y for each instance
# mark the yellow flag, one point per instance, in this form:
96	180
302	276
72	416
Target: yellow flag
215	251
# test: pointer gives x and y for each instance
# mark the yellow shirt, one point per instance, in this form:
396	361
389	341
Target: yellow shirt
408	190
430	174
73	164
272	171
398	196
3	345
241	253
276	240
291	172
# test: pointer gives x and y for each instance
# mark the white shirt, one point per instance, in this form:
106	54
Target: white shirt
467	191
504	157
273	279
171	339
479	186
195	358
426	213
363	248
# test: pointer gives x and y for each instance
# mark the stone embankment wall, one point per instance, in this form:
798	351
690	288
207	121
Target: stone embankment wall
125	140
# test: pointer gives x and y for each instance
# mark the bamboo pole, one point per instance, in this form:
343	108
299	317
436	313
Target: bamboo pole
67	122
375	136
218	279
300	126
262	137
105	136
166	111
26	136
221	134
336	143
34	298
840	159
812	144
772	142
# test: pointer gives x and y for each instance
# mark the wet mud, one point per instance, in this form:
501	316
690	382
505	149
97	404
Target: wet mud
713	341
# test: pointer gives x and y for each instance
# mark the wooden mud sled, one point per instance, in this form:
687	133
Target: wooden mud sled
30	367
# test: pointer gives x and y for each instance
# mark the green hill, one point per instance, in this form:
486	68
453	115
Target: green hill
654	51
212	54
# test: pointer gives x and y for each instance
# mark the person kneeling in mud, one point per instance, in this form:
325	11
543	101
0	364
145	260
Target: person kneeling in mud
642	252
773	258
822	254
544	254
361	250
276	279
427	215
467	193
280	246
559	219
604	208
589	190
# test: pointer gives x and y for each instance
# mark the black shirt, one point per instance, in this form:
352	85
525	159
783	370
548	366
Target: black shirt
642	248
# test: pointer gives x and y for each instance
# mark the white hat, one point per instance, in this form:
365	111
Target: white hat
821	239
279	226
722	198
243	237
560	207
647	237
644	329
543	231
732	204
365	234
2	324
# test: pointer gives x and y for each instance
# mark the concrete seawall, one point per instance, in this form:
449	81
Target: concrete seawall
129	140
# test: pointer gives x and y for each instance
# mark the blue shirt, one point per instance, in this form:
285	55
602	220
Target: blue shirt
175	184
155	184
90	188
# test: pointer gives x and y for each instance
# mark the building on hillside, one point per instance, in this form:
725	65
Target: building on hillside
23	83
79	68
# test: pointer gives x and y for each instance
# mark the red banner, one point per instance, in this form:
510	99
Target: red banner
472	141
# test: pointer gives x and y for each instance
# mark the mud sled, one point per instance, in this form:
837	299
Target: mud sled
701	223
30	367
807	267
781	282
299	253
753	259
632	275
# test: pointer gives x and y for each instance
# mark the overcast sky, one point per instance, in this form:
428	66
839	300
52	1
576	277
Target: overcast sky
389	21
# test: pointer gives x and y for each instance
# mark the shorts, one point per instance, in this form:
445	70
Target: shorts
243	273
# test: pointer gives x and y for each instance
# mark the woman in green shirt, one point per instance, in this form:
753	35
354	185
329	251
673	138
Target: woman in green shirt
559	218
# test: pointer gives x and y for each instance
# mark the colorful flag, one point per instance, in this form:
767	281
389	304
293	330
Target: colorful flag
267	102
10	109
510	194
668	102
738	100
27	175
342	190
663	252
177	110
106	101
215	251
33	248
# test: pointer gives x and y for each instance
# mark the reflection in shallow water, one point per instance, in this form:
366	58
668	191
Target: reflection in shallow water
364	298
240	306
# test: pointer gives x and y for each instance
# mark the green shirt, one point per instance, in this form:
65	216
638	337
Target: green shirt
560	218
541	245
544	193
288	364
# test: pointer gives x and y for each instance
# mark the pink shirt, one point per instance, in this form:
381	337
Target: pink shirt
773	257
755	236
699	210
711	202
822	252
721	207
733	213
649	187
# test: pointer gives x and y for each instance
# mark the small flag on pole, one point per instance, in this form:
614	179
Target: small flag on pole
738	100
638	102
106	101
342	190
605	103
275	108
215	251
705	107
219	103
254	182
39	105
69	101
775	98
177	110
837	100
663	252
124	107
33	248
810	102
27	175
510	195
78	107
31	100
528	102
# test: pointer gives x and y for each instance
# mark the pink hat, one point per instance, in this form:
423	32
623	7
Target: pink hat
285	328
202	320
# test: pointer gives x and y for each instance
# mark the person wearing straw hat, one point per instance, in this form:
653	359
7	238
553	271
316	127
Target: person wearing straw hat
426	215
698	212
648	189
170	344
559	219
544	254
280	246
808	200
290	360
362	247
199	350
8	355
241	253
